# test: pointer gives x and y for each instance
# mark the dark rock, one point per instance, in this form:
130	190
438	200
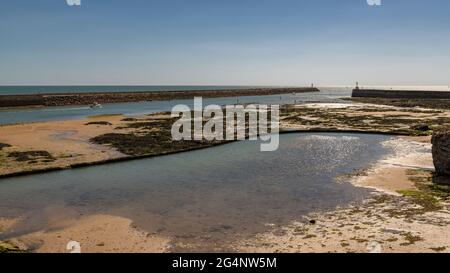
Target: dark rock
312	222
441	151
32	156
99	123
4	145
442	180
421	127
130	119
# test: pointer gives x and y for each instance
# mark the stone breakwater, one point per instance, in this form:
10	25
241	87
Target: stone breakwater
120	97
400	94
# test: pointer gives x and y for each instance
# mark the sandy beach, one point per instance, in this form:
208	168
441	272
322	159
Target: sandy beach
67	142
95	234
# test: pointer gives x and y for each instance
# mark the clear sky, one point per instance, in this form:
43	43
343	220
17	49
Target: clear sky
225	42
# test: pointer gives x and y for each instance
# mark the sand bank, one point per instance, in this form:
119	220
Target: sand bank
67	143
95	234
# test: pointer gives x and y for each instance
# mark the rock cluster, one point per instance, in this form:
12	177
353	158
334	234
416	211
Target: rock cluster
441	151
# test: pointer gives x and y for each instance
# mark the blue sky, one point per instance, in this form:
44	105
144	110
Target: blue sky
225	42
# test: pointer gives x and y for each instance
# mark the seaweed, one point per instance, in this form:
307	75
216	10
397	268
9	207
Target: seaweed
4	145
144	142
154	137
129	119
410	239
6	247
99	123
395	124
32	156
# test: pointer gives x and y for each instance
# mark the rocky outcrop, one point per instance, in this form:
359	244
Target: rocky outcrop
441	151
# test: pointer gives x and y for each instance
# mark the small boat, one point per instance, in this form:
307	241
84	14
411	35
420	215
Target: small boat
95	105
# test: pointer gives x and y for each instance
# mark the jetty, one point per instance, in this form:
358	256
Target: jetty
399	94
66	99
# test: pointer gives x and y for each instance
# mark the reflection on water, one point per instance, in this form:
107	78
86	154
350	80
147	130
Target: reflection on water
211	195
75	112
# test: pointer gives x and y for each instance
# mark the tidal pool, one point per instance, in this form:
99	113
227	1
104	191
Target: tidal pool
210	196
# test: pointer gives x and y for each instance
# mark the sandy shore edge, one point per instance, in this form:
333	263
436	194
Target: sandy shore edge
387	221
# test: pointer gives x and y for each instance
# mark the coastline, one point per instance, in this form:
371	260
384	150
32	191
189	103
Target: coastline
392	219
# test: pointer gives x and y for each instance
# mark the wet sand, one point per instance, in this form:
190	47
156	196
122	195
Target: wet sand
67	141
95	234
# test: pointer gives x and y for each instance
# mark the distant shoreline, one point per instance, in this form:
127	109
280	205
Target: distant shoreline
67	99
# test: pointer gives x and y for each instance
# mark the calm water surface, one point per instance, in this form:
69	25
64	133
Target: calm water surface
215	195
